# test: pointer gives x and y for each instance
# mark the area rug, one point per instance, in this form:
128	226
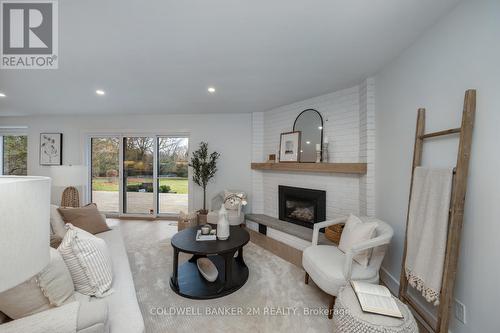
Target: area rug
274	299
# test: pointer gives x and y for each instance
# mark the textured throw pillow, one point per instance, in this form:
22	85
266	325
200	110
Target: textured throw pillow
87	218
235	201
354	233
51	287
56	222
88	261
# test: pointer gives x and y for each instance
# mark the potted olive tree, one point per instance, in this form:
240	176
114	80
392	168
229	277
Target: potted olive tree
204	169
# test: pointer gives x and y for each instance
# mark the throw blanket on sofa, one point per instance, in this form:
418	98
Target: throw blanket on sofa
62	319
428	230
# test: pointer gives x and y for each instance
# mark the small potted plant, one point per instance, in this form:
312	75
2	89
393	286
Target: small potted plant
204	169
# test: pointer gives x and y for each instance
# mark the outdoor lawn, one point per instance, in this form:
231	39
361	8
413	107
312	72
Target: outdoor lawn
178	185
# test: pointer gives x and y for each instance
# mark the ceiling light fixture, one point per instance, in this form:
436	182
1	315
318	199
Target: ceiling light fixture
2	95
100	92
211	90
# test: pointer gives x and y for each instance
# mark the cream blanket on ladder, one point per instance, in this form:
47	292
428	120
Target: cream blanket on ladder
428	230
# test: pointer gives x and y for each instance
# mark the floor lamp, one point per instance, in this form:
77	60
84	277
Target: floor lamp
24	228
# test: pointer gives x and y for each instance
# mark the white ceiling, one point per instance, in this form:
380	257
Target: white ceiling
159	56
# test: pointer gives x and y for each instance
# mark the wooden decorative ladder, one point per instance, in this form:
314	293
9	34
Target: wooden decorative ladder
455	220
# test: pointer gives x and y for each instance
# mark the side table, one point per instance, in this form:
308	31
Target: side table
349	318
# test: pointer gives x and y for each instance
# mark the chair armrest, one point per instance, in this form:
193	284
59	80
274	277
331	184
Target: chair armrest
325	224
363	246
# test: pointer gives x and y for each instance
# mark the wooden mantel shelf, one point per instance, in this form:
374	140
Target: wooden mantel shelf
357	168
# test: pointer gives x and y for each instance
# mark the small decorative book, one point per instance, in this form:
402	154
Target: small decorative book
202	238
376	299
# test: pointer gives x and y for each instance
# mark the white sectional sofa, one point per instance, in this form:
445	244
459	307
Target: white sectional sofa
116	313
124	315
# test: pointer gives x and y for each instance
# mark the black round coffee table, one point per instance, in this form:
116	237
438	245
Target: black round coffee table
187	281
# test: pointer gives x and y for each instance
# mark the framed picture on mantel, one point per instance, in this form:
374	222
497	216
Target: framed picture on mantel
51	149
290	147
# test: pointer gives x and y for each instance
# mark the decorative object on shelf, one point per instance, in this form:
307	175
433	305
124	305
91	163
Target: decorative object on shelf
271	158
325	150
318	153
204	169
290	147
223	224
205	229
24	228
51	148
70	177
207	269
310	123
334	232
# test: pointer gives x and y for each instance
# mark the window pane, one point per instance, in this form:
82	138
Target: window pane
15	155
173	174
138	175
105	173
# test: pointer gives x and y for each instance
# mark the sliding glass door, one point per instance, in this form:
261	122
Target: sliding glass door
105	173
172	175
140	174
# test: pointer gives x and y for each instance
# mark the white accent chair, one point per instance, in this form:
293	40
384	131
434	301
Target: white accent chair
332	269
235	216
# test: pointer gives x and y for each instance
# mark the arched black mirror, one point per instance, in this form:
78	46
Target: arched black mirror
310	123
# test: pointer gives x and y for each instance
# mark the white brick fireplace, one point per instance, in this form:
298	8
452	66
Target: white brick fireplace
349	123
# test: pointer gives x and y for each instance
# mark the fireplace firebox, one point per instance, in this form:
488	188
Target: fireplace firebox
302	206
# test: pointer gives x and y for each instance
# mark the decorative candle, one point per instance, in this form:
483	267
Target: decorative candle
318	147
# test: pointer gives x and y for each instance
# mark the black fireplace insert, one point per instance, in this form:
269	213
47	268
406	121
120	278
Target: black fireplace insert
302	206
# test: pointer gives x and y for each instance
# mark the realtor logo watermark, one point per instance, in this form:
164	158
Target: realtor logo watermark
29	34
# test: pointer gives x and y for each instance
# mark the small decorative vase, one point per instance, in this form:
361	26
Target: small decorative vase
325	153
223	224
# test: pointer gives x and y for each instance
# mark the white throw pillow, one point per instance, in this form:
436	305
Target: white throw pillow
88	261
56	222
51	287
354	233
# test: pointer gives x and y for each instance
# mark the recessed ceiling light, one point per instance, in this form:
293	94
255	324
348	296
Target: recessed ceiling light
100	92
308	142
320	127
2	94
211	90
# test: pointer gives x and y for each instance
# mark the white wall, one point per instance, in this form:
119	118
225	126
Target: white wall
348	117
229	134
462	51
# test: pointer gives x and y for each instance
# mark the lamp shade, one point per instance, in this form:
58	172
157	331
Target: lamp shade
68	175
24	228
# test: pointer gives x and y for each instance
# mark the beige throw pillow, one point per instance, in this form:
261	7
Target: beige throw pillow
354	233
87	218
88	261
51	287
